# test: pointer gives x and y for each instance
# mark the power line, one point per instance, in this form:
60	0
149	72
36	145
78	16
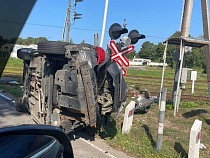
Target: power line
74	28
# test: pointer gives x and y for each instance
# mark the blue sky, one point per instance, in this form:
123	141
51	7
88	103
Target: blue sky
157	19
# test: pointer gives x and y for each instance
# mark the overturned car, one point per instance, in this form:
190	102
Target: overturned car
71	85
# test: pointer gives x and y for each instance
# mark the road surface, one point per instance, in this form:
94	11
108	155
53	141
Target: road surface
84	146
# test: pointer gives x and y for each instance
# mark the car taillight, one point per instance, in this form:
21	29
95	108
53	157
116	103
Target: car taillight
101	54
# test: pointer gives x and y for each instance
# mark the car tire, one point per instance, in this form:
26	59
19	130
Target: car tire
52	47
19	106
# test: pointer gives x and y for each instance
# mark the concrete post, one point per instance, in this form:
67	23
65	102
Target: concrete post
128	117
185	28
68	21
195	136
206	29
161	119
186	18
96	39
163	71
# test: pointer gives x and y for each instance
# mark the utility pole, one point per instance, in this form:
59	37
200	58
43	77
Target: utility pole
68	21
185	28
206	29
67	24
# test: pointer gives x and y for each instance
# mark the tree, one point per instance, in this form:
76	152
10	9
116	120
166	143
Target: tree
40	39
83	42
147	50
30	40
131	55
71	41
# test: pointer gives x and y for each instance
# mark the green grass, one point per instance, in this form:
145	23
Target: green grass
150	78
141	140
14	68
15	90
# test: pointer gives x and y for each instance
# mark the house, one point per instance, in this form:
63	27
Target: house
142	61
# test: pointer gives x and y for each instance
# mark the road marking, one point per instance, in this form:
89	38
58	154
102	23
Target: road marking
9	99
99	149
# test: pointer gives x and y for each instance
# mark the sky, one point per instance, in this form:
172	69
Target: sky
157	19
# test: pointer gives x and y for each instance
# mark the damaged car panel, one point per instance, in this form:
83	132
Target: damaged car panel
69	88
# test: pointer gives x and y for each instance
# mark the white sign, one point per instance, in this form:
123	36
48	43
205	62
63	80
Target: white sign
193	75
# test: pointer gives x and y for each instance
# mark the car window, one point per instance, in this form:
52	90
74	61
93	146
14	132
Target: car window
13	15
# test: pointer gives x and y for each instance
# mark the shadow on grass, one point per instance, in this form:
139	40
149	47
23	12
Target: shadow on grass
88	133
180	150
149	135
193	113
110	130
207	121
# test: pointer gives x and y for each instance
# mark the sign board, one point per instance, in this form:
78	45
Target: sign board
194	75
119	55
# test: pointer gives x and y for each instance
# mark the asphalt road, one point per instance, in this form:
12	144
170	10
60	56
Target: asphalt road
84	146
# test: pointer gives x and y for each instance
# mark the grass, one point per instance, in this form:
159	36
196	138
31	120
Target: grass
13	69
141	140
150	78
15	90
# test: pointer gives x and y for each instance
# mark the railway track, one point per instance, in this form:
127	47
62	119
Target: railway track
158	78
169	96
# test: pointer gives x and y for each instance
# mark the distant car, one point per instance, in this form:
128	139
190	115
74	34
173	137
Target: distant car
70	85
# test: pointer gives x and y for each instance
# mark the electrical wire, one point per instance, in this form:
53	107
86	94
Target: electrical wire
73	28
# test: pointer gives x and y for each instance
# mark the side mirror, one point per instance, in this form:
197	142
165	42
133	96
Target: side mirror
115	31
24	53
135	36
34	141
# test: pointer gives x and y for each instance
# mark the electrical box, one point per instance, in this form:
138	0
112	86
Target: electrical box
184	75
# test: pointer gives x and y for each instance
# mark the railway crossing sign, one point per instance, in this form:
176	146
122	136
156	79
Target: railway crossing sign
119	55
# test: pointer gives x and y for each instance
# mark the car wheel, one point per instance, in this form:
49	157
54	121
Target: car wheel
19	106
52	47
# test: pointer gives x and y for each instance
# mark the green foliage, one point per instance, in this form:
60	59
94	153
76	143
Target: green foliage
83	42
195	59
15	90
30	40
71	41
131	55
152	51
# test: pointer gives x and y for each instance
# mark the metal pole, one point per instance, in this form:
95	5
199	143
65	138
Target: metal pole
178	90
104	23
68	21
161	120
206	29
163	71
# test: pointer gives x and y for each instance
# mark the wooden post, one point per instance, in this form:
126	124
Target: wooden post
161	119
